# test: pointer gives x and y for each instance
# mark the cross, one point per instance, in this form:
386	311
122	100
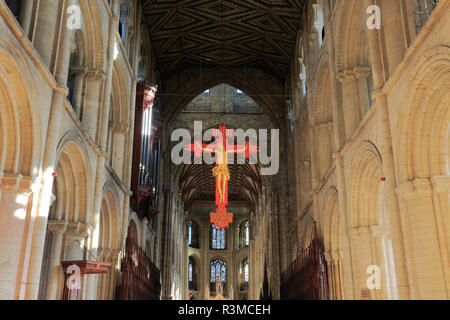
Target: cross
221	218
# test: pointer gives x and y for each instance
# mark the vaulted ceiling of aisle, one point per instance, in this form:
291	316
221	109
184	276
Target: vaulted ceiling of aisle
253	33
198	183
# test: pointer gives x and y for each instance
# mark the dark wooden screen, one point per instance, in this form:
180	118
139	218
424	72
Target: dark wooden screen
306	277
140	277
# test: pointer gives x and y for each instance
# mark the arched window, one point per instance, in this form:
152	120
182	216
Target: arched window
218	271
244	275
244	234
192	274
218	241
193	234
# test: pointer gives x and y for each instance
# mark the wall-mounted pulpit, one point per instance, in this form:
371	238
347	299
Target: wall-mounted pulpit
74	272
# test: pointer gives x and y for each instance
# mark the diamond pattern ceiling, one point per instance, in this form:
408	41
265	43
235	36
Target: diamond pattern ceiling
254	33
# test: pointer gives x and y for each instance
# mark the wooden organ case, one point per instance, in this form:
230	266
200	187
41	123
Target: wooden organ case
146	153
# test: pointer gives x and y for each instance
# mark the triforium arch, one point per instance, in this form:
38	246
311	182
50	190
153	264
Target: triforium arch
353	63
109	235
321	119
69	215
19	119
74	172
423	141
95	33
422	160
370	226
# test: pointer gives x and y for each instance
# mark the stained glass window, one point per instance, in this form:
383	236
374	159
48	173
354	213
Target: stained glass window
217	238
190	233
246	270
244	234
218	271
193	234
247	235
190	271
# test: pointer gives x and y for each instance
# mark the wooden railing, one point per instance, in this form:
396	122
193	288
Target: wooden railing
140	277
306	277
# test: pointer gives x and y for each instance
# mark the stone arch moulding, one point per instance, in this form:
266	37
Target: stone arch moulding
423	136
350	17
332	220
20	128
95	33
365	184
76	154
111	204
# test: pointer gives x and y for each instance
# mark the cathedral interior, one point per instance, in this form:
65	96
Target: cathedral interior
351	201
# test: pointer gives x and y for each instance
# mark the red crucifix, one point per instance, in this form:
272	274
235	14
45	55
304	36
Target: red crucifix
221	218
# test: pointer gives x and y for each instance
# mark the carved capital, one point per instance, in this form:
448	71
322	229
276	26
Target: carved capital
95	74
57	226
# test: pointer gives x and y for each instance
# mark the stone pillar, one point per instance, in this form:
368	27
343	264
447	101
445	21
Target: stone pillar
94	79
56	276
390	194
78	94
382	244
352	114
45	33
15	205
46	29
361	248
425	228
28	16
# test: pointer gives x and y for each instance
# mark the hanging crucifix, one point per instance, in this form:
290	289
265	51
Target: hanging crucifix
221	218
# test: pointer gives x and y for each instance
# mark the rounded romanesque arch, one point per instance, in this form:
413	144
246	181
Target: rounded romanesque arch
108	241
74	176
370	235
423	142
351	34
367	206
331	231
334	244
321	119
19	120
95	33
69	214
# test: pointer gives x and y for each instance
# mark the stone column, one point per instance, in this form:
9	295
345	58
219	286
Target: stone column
361	248
382	243
425	229
79	83
28	16
390	195
44	34
46	29
15	204
56	276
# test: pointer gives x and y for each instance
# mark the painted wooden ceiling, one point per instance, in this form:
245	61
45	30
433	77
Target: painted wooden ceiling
253	33
197	183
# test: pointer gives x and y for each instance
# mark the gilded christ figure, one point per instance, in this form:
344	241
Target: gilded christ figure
220	171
